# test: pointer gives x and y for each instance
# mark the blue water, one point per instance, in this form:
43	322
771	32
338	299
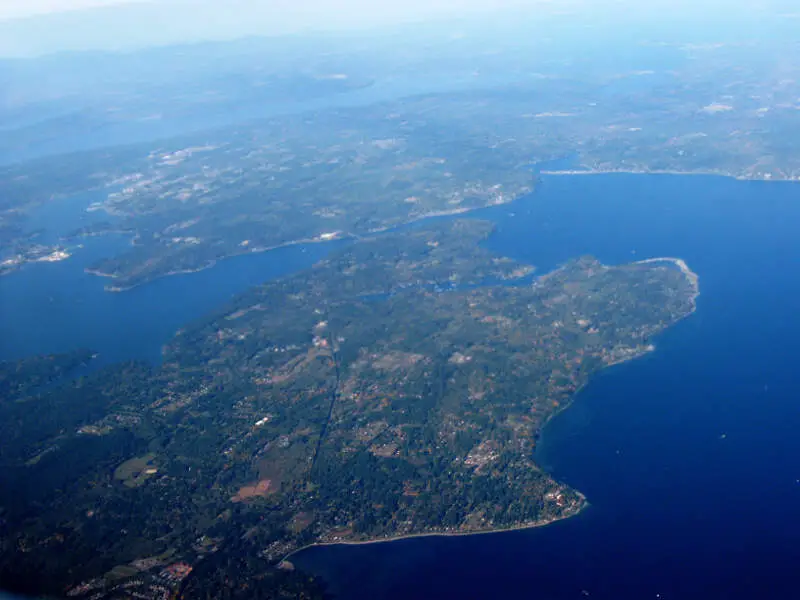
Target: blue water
62	216
690	457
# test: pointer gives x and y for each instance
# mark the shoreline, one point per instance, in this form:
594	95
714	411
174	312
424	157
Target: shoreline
725	174
210	264
344	235
694	279
410	536
431	215
423	217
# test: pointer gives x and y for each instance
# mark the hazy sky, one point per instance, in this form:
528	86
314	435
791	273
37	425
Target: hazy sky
119	24
12	9
30	27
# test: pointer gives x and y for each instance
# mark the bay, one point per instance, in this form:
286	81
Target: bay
56	307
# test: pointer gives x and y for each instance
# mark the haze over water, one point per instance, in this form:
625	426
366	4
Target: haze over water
689	456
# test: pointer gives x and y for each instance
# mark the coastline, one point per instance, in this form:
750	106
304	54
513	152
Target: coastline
449	213
693	279
410	536
344	235
431	215
212	263
701	173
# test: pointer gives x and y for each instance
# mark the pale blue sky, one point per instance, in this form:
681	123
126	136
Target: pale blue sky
30	27
283	10
119	25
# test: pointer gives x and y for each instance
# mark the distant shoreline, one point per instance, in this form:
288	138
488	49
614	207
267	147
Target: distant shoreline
210	264
344	235
570	172
419	218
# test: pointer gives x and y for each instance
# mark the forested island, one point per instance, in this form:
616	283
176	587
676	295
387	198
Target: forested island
397	388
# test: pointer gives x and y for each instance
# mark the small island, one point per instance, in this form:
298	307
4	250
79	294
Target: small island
34	253
396	389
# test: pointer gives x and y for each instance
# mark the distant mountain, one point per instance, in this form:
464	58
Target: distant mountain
138	25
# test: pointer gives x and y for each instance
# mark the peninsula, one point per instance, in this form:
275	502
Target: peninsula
396	389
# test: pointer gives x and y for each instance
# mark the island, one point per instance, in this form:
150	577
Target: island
398	388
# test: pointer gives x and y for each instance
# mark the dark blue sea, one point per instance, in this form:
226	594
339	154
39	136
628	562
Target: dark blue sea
690	457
